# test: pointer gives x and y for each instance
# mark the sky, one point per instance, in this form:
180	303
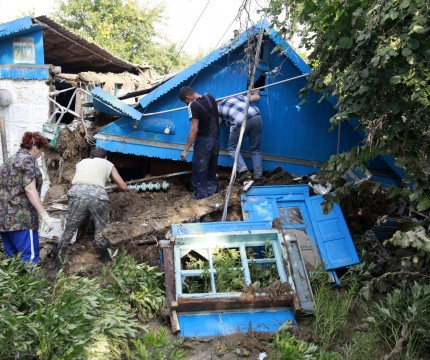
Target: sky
214	27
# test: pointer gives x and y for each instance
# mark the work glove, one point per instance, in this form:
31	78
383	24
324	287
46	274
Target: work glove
47	220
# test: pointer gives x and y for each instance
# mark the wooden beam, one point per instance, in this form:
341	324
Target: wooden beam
174	322
231	303
169	275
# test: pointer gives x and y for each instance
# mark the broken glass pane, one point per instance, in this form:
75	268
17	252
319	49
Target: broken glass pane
294	215
229	271
281	215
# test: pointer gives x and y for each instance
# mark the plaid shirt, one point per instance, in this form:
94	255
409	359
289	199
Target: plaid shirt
232	110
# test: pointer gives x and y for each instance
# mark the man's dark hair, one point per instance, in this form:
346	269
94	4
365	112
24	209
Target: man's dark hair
98	153
184	92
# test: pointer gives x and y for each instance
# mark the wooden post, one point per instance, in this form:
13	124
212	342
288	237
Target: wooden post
78	103
169	278
3	138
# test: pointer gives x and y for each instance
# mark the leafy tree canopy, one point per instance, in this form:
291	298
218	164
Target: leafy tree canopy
373	55
124	27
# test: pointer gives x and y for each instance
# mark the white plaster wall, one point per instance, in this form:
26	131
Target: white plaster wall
28	112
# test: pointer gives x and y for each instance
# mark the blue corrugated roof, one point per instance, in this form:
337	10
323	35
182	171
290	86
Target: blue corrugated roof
15	27
114	106
221	51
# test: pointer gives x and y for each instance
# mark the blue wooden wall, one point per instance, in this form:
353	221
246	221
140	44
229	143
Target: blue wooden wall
295	136
21	50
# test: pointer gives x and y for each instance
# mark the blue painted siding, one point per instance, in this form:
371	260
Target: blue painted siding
295	136
10	51
14	27
226	323
24	72
21	51
290	130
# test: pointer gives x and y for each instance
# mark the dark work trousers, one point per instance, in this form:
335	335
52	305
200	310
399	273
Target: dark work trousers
205	160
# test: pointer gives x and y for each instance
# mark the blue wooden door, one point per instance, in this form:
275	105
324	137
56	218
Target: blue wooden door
302	214
332	235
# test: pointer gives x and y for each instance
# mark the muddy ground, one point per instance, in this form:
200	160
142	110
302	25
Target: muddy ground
129	209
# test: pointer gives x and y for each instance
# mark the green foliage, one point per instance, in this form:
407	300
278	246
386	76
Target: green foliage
140	284
74	317
373	56
331	308
417	238
262	274
78	309
21	295
402	320
154	347
60	320
124	27
289	348
229	272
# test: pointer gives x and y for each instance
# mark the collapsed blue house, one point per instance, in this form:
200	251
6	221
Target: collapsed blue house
295	133
296	138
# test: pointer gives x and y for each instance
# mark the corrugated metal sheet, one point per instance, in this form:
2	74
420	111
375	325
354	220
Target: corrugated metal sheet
115	107
220	52
16	27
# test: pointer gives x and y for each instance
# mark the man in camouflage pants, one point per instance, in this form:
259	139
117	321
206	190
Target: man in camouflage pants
88	194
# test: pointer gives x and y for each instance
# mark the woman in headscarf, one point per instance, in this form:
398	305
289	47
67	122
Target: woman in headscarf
20	203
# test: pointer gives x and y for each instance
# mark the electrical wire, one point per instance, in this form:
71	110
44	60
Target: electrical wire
179	51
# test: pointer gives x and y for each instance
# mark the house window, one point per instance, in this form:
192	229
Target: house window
227	264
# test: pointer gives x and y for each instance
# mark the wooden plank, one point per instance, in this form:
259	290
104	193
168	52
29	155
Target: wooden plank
174	322
296	306
230	303
169	275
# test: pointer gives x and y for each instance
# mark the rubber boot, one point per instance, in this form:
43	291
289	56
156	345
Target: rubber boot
102	251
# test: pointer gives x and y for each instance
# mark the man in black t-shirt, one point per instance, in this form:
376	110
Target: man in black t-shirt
204	133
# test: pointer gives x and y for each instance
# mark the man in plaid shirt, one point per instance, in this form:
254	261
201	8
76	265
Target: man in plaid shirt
232	112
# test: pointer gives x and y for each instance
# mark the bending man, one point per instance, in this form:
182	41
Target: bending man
232	111
88	194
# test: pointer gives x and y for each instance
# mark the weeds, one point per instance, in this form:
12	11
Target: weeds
402	320
154	347
364	346
331	308
77	310
289	348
